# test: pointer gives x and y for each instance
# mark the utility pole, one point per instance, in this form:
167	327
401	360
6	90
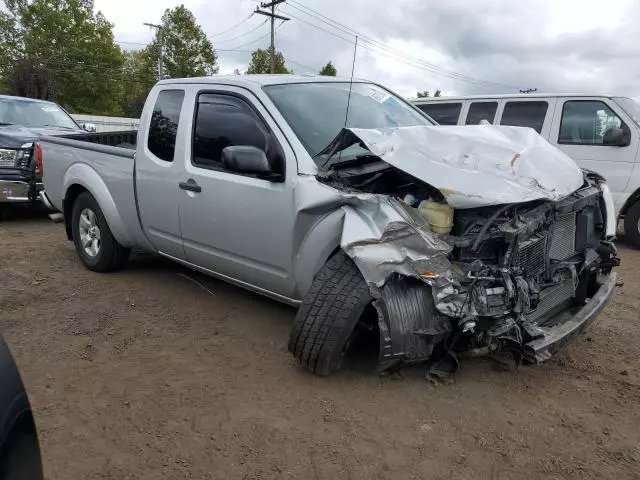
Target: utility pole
273	16
159	29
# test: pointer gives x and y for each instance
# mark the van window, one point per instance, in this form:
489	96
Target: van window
164	124
443	113
479	111
584	122
525	114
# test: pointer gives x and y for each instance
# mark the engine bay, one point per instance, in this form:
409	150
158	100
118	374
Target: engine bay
515	267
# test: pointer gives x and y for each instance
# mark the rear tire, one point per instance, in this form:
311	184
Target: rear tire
94	242
632	225
337	299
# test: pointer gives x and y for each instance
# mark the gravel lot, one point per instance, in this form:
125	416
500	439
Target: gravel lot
143	374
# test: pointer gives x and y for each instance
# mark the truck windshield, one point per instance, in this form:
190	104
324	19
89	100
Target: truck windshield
630	106
32	113
316	111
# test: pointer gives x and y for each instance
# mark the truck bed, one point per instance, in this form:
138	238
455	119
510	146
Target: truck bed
125	139
103	164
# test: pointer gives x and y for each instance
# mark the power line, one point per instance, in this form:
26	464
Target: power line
290	60
244	34
425	65
231	28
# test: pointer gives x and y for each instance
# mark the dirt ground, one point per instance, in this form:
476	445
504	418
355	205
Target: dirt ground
143	374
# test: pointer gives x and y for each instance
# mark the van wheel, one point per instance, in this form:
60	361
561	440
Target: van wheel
632	225
338	297
94	242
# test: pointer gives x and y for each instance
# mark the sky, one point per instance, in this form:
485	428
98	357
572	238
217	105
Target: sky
457	46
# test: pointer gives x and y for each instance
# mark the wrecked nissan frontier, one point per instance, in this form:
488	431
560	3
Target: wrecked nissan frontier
343	199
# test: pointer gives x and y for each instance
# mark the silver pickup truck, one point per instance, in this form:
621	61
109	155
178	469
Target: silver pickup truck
342	198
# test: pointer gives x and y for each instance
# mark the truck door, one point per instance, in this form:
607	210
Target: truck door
579	129
237	225
158	168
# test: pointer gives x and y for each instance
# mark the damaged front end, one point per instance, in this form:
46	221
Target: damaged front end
516	278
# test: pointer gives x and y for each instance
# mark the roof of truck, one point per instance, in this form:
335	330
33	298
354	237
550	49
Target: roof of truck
259	80
511	95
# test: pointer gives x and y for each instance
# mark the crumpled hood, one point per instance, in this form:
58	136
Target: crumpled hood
14	136
477	165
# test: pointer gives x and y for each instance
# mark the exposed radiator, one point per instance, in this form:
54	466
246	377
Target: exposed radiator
531	255
563	237
552	297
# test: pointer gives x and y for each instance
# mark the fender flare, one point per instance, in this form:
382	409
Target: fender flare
321	242
85	176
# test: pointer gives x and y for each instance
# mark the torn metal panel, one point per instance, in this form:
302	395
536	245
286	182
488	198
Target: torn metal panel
477	165
384	236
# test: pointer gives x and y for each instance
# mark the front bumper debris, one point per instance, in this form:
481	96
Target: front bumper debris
569	323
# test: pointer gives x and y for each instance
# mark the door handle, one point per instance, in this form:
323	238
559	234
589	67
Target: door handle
190	185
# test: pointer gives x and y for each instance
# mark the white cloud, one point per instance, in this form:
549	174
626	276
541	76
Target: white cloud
573	45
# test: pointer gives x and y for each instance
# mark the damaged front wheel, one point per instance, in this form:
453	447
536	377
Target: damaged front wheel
338	297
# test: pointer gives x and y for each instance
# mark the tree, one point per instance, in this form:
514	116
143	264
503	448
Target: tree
186	50
138	77
64	51
425	94
260	62
328	70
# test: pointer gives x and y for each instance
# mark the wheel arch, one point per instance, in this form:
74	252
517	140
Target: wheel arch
82	178
320	244
633	198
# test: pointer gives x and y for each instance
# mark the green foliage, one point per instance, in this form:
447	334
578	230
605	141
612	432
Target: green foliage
329	70
61	50
187	52
261	63
425	94
139	76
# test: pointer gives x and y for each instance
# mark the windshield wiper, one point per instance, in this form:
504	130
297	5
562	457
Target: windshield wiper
58	126
5	124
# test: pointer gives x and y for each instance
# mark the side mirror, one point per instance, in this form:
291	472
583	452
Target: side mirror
615	137
88	127
246	159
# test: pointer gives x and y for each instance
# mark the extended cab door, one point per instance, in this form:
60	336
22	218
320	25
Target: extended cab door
237	225
158	167
579	129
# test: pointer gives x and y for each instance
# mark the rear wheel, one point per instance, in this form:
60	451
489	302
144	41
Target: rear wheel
323	326
94	242
632	225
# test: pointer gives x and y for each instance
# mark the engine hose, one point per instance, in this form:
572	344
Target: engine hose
486	226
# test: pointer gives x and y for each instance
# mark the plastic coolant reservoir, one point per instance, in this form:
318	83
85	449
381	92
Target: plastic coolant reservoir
439	216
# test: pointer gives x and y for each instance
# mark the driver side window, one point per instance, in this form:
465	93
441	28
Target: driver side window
226	120
585	122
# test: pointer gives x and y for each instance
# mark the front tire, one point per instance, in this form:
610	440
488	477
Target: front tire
632	225
337	299
94	242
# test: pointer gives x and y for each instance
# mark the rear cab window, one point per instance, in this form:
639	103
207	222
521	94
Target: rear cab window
526	113
444	113
163	127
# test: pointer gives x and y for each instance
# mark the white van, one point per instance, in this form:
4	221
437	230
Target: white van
600	132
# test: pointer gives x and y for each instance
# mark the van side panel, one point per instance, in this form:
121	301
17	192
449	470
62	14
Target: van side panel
615	163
